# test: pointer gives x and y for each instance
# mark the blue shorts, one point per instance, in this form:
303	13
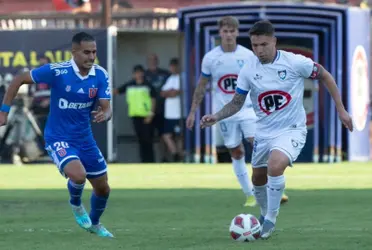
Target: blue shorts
87	152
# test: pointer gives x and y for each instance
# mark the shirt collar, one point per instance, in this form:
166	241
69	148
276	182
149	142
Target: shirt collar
92	71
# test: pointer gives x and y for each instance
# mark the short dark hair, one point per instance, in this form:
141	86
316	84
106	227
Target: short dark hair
264	27
138	67
173	61
82	37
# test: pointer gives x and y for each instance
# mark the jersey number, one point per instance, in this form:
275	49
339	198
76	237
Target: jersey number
60	145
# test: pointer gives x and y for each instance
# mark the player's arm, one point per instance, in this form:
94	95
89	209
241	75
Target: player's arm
232	107
321	74
38	75
199	93
201	87
308	69
103	113
241	92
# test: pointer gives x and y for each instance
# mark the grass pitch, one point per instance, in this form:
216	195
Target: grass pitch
187	207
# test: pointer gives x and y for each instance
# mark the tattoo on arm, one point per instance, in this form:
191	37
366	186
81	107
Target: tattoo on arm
199	94
232	107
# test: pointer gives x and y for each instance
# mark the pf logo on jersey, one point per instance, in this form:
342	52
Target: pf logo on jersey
271	101
227	83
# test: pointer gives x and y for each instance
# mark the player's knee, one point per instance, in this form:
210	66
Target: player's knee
102	190
278	161
237	153
259	176
75	171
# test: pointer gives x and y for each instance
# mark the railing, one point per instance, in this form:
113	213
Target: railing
133	20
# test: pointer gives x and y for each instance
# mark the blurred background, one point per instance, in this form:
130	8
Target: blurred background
156	42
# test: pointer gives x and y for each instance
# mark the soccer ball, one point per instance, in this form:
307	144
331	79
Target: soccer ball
245	227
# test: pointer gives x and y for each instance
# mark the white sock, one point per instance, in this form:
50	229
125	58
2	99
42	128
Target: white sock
275	189
260	192
241	173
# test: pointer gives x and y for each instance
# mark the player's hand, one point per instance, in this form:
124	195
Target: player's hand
3	118
207	121
346	119
99	115
190	121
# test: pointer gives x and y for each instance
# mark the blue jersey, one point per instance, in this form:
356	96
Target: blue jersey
72	99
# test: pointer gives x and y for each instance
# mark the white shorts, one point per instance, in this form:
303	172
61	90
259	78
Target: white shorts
290	143
233	131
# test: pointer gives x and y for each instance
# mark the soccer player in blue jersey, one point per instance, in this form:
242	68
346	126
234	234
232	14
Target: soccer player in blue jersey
76	86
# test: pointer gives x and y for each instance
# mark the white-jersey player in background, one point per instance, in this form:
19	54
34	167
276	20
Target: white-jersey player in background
222	65
275	80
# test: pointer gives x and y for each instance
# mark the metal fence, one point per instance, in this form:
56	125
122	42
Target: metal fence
144	20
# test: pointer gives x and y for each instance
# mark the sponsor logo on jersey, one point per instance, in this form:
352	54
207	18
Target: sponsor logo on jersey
282	74
64	104
227	83
274	100
92	92
60	71
359	88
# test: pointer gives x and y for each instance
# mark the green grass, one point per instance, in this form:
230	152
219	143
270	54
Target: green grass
187	207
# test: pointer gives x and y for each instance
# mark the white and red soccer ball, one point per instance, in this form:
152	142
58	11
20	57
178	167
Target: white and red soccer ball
245	227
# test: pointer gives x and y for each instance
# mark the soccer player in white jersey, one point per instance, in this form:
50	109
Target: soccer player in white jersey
223	64
275	81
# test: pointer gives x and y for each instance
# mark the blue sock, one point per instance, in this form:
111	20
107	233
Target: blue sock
75	190
98	205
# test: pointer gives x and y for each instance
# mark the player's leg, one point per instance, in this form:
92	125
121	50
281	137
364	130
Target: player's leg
284	198
98	201
67	160
283	151
169	126
96	169
260	156
232	137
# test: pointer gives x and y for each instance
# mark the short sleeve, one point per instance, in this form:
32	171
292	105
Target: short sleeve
305	67
43	74
166	86
243	82
206	66
177	83
104	91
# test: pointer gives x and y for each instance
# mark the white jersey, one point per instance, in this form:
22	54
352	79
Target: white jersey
276	90
223	68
